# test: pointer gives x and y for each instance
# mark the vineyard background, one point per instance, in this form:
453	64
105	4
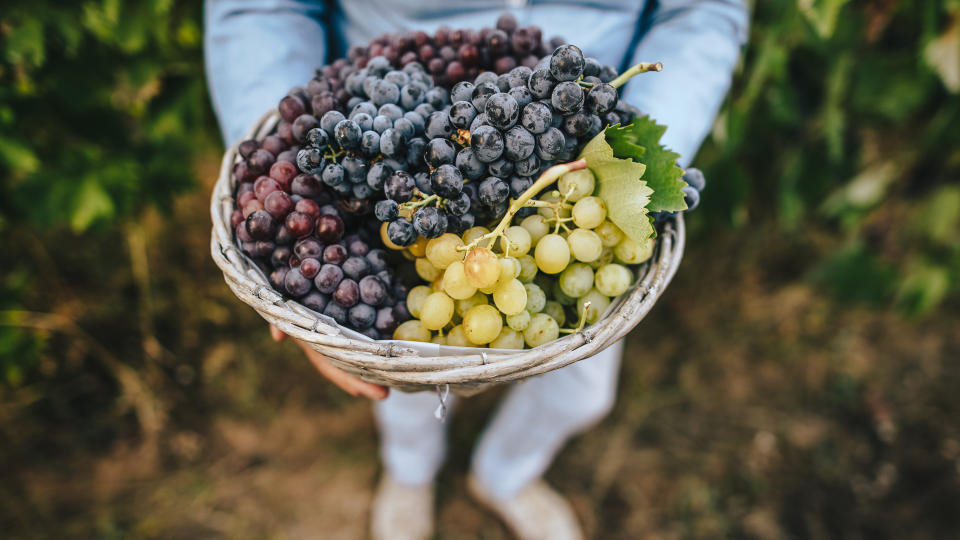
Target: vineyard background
798	380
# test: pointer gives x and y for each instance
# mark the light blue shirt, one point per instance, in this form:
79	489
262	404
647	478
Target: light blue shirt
256	51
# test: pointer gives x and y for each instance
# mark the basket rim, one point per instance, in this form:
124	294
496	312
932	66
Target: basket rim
394	364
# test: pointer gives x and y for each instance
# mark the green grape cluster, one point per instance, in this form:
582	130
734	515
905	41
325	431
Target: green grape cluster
519	287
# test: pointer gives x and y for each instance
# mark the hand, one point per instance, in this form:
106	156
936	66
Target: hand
347	382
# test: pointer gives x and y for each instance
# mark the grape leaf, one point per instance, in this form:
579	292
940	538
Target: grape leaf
640	141
620	186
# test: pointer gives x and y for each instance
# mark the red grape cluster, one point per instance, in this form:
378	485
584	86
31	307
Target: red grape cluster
451	56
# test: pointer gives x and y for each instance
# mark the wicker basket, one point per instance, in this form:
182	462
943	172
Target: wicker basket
416	367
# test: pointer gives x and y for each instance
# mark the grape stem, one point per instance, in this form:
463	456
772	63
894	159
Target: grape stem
548	177
581	323
637	69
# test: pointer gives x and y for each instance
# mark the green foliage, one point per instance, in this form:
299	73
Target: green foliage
100	106
641	141
621	185
845	113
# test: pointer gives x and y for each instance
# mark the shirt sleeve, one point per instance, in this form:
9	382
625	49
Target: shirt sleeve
699	43
255	52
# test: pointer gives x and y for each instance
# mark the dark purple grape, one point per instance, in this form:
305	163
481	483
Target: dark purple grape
551	141
356	268
518	144
308	248
309	267
280	256
329	228
567	97
377	174
386	321
519	184
438	125
348	134
317	138
278	276
333	175
399	187
306	185
607	73
437	98
392	143
310	160
278	204
260	225
523	41
347	293
283	172
401	232
527	167
462	91
361	316
373	290
330	120
265	186
299	224
522	96
328	278
446	181
386	210
601	99
429	222
336	312
541	83
356	246
259	248
487	143
247	147
400	312
501	168
566	63
502	110
470	167
481	93
334	254
459	205
493	191
439	152
260	161
295	283
378	260
422	181
316	301
355	168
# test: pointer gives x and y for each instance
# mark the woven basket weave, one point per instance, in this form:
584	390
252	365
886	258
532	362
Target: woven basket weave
404	367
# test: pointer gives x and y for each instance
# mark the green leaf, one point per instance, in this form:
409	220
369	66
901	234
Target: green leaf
640	141
90	204
621	188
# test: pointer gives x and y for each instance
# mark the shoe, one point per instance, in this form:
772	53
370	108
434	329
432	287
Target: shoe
536	513
402	512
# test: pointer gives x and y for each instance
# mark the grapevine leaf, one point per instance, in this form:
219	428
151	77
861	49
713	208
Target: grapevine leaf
640	141
620	186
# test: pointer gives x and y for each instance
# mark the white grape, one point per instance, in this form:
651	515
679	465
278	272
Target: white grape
536	298
482	324
436	312
552	254
508	339
442	251
585	245
462	306
606	257
542	329
511	297
519	321
576	280
509	269
528	268
609	233
456	337
455	282
426	270
589	212
473	233
577	184
536	225
517	241
632	252
482	268
412	330
419	247
555	310
415	299
598	304
560	296
613	279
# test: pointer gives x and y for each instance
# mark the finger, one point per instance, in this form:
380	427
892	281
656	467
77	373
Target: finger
276	334
351	384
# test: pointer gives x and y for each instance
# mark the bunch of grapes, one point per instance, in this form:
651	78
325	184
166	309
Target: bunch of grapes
451	56
567	250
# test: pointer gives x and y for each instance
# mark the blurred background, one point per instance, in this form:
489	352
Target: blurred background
799	379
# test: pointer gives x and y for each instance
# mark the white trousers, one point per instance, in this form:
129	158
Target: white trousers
534	421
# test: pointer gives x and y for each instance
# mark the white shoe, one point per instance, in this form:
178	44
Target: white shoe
536	513
401	512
